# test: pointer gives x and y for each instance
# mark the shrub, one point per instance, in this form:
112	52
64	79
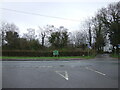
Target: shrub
41	53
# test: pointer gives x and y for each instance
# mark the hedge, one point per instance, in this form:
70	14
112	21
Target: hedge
41	53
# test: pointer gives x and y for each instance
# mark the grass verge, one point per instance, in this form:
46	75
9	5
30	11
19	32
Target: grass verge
67	57
115	56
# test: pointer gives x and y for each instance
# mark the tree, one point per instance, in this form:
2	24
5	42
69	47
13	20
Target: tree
110	16
12	39
44	33
34	45
54	39
5	27
89	30
79	39
63	36
24	44
99	33
59	38
30	35
29	45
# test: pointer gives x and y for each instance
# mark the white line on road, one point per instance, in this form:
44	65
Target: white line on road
64	74
95	71
45	66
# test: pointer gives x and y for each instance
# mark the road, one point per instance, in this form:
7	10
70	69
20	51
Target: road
101	72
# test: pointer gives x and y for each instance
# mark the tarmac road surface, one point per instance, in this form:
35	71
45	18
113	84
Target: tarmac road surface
101	72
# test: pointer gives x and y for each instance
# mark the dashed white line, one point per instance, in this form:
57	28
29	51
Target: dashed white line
95	71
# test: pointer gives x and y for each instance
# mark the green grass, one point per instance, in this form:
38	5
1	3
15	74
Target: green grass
114	55
67	57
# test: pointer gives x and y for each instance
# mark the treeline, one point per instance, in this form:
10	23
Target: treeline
104	28
99	30
29	41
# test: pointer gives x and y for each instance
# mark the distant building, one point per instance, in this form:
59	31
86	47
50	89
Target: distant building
108	48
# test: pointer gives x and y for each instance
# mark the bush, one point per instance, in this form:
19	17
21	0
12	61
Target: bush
41	53
73	53
26	53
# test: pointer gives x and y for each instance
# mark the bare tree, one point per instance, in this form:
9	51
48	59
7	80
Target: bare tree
30	35
44	33
79	39
89	30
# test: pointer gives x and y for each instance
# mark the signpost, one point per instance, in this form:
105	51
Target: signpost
115	49
118	50
89	47
118	45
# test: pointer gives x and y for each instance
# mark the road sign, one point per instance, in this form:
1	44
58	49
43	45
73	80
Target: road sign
118	45
115	47
55	52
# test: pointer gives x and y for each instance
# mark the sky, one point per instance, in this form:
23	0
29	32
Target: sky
33	13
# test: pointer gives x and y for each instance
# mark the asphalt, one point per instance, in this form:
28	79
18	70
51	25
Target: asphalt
101	72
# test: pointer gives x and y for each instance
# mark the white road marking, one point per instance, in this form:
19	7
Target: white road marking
49	66
45	66
95	71
65	75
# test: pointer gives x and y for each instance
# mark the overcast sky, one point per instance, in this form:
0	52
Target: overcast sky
75	12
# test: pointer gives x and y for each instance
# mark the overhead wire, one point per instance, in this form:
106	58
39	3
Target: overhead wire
39	14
